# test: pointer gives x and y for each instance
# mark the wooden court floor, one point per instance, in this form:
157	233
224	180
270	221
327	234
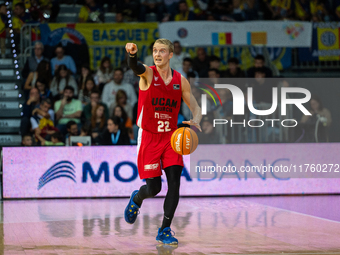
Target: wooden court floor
259	225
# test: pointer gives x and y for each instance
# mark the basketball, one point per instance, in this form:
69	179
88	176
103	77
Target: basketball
184	141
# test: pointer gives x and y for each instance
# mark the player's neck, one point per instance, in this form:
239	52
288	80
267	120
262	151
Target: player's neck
164	72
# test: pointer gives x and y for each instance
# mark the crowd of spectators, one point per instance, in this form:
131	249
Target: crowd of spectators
103	104
63	101
40	11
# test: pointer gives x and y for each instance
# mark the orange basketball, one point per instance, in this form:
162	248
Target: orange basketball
184	141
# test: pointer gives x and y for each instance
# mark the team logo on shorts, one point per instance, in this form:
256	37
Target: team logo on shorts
151	167
176	86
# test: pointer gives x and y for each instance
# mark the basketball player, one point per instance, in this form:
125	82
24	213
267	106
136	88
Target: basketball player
160	92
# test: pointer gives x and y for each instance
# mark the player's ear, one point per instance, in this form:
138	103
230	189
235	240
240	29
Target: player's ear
171	54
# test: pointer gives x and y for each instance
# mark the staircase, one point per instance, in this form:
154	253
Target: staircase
11	100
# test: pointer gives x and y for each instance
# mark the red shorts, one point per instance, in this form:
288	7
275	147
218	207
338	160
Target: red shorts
154	153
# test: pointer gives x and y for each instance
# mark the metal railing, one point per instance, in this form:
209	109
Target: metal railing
27	42
312	65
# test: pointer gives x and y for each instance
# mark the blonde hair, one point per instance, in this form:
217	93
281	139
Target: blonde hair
166	42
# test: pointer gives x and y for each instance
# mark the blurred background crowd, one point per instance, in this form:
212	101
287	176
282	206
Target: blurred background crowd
64	99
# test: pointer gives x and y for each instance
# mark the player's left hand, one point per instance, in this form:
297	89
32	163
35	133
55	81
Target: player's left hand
193	123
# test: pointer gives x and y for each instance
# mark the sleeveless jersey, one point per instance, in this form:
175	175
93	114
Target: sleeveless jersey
159	105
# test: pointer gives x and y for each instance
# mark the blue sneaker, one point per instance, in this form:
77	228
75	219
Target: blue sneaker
131	210
166	236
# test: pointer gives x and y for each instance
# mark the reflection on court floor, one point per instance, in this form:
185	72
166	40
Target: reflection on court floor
202	226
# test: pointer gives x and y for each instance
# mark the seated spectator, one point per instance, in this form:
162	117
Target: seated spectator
251	9
86	73
94	101
72	130
84	131
119	111
84	94
62	79
148	60
280	9
26	140
208	134
121	100
3	28
56	139
176	62
214	62
62	59
213	75
43	71
105	73
262	89
221	10
19	19
198	7
129	8
97	124
43	118
27	109
171	8
321	119
44	92
286	9
36	11
32	62
244	10
115	134
224	111
259	62
233	70
273	6
67	109
184	13
318	11
151	6
201	63
131	78
210	17
111	88
187	68
119	17
302	10
49	9
91	12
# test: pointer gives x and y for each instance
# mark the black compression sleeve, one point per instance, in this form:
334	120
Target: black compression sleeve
137	67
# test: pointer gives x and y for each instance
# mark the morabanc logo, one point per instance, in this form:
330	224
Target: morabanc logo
62	169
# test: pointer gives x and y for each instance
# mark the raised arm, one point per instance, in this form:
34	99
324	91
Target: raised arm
191	102
138	68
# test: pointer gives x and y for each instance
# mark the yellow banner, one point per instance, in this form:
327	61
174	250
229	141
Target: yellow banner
109	40
328	43
106	39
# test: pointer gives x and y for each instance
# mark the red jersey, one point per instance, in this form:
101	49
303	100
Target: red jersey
159	105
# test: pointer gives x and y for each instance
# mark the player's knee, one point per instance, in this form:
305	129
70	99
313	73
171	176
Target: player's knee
154	186
155	190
